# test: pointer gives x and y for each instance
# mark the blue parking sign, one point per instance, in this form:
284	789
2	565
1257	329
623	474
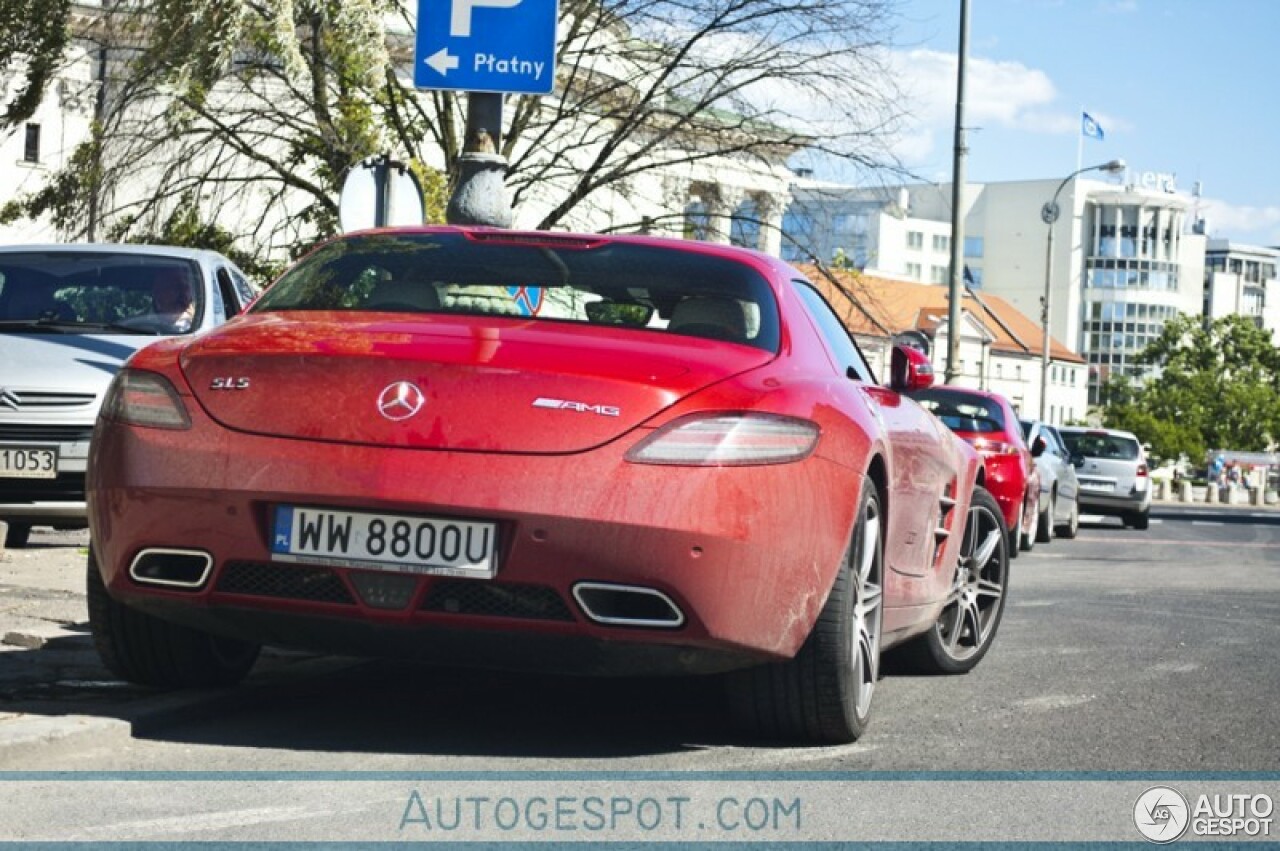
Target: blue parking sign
487	45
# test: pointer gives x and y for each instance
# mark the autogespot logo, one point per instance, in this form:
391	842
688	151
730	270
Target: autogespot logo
1161	814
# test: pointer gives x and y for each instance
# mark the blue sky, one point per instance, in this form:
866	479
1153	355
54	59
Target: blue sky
1190	87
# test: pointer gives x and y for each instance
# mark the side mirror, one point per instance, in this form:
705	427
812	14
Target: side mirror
909	370
1077	460
1038	447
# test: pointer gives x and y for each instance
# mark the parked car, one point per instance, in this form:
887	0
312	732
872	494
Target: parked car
70	315
1059	507
1112	469
599	454
987	421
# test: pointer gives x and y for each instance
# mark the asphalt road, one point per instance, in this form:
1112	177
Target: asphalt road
1120	651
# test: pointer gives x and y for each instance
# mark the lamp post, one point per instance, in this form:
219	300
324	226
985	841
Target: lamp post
1049	213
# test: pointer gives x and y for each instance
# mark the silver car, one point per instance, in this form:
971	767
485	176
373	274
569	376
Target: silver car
70	315
1059	490
1112	470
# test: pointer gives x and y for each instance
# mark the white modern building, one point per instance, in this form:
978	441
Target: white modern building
1243	279
1124	257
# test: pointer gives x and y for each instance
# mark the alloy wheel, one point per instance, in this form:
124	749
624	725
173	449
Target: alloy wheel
973	605
868	611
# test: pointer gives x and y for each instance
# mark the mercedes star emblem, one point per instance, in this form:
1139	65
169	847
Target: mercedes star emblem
400	401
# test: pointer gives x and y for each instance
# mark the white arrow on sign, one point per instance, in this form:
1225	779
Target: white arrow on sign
442	61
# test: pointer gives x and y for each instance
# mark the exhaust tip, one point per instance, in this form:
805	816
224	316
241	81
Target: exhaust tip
627	605
166	568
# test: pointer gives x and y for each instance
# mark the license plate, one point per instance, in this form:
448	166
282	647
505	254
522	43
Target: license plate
399	543
1095	486
29	462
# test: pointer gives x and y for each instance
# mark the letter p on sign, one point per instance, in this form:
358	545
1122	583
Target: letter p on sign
460	20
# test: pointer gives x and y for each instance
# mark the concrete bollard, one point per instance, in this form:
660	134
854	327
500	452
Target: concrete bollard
1211	493
1256	496
1184	491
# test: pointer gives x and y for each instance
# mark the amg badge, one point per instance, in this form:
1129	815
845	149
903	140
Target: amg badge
580	407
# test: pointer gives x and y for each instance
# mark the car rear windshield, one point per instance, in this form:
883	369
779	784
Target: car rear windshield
565	279
1099	444
65	289
963	412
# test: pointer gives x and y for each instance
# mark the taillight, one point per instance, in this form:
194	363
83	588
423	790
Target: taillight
986	446
728	440
145	399
1142	470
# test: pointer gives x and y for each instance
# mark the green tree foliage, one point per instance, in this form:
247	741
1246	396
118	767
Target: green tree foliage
33	38
1218	387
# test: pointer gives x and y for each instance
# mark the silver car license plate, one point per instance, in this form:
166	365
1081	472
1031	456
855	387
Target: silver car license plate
29	462
399	543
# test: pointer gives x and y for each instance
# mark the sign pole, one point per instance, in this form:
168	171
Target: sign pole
485	49
480	196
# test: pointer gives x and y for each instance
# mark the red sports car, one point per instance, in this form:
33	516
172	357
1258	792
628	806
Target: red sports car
599	454
988	422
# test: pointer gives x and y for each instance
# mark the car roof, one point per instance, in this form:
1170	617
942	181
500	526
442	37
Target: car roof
972	391
1110	431
765	263
116	248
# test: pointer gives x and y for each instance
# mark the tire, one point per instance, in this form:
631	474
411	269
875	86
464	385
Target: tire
1069	529
1014	543
1027	540
971	614
143	649
1139	520
1044	526
824	693
17	536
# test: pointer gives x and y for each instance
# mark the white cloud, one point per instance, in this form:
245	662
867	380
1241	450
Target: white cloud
1242	222
998	94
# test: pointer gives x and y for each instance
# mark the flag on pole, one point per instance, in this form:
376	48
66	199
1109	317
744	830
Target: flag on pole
1090	128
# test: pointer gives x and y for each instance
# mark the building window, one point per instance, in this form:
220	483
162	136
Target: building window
697	221
941	242
744	228
973	246
915	239
797	234
938	274
913	271
31	148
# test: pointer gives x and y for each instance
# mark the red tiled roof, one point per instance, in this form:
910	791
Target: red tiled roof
878	307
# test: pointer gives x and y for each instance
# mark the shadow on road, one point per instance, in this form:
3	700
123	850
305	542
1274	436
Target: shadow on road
411	708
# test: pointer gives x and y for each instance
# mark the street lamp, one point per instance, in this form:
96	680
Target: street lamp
1049	212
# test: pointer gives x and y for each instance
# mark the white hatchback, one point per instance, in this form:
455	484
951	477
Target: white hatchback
70	315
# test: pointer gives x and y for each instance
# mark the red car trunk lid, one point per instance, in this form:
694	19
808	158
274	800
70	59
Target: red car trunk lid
490	384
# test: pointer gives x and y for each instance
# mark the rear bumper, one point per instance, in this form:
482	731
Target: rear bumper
1112	504
747	554
58	501
1008	485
